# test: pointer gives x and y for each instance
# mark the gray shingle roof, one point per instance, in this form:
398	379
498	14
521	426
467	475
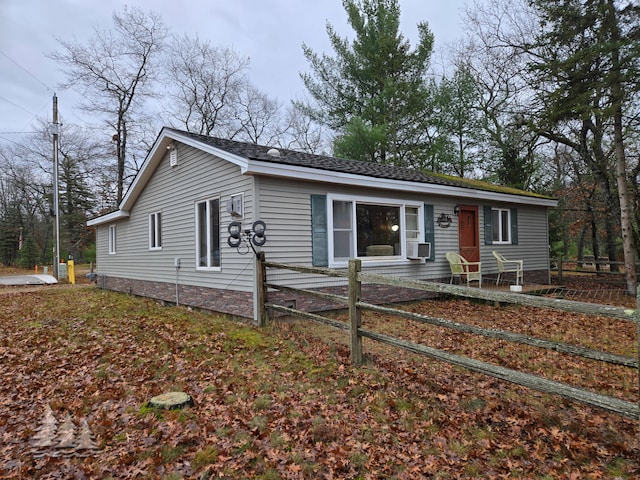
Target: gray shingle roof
322	162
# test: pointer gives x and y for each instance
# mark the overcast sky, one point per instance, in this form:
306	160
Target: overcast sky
270	32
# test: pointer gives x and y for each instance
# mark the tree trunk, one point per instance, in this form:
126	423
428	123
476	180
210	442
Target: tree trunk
626	205
171	400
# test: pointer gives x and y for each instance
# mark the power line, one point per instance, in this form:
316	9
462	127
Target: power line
28	72
9	140
18	106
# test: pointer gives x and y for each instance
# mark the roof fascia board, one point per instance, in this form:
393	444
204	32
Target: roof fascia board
110	217
257	167
238	160
156	154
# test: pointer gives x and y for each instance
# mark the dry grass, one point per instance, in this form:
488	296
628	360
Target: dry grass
283	401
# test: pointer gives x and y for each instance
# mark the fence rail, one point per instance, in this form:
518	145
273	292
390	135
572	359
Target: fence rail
356	278
588	265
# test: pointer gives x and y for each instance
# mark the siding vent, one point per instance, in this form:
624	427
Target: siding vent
173	154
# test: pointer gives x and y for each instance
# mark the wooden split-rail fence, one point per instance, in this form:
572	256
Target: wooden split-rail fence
356	332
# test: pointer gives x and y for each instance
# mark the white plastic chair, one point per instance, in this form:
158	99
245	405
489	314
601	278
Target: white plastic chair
509	266
461	267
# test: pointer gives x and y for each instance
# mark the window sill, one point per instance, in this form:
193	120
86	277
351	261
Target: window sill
378	262
208	269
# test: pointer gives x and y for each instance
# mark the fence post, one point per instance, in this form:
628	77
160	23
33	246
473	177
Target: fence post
560	269
261	291
355	288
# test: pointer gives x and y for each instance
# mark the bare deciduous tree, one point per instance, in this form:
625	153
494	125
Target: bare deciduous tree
302	132
205	85
114	71
258	118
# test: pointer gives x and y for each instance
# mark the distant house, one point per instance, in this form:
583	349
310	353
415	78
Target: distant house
168	238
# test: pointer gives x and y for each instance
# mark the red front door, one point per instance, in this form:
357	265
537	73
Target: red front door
469	233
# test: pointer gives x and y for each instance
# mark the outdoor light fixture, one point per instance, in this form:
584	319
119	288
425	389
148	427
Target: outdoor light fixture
456	210
444	220
253	237
171	147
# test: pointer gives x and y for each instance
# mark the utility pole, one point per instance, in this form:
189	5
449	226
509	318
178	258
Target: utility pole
56	211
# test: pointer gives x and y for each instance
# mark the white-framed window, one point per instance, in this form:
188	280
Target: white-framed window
112	239
371	228
207	215
501	225
155	231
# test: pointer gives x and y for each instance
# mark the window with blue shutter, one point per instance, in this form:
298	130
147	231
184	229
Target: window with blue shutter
514	226
488	225
500	226
319	241
429	229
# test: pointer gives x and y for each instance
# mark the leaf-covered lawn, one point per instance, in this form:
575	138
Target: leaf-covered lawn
283	401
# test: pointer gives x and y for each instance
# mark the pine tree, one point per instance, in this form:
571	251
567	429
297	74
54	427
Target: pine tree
373	92
588	51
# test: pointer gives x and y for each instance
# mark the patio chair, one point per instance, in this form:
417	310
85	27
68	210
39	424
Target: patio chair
461	267
509	266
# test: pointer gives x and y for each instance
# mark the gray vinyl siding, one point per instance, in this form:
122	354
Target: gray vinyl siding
285	206
533	241
174	191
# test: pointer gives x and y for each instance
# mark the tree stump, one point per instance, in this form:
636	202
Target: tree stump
171	400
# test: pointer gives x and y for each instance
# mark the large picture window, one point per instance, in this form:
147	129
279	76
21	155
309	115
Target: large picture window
208	234
372	229
155	231
501	222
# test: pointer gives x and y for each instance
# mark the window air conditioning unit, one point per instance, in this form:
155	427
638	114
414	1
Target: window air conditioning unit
235	206
418	251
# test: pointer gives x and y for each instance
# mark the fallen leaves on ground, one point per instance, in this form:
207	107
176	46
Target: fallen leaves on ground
283	402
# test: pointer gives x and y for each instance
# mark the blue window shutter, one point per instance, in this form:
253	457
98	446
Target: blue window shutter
429	229
319	240
514	226
488	225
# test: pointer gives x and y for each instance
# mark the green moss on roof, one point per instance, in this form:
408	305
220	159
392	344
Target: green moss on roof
484	185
